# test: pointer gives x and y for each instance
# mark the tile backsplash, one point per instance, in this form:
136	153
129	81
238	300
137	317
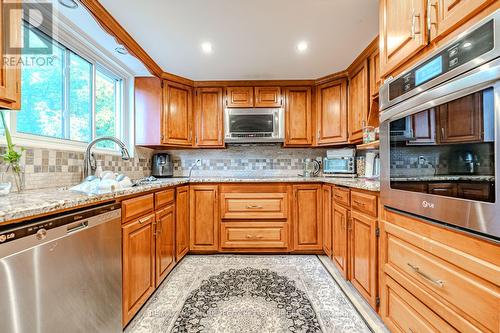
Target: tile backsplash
56	168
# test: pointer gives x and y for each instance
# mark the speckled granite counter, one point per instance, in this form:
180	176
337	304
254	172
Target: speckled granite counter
445	178
38	202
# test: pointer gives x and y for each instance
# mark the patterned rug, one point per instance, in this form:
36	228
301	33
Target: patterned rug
248	294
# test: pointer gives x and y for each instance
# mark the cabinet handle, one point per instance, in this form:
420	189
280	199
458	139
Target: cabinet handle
220	135
254	237
442	132
416	269
254	207
338	196
141	221
430	4
362	204
413	20
319	134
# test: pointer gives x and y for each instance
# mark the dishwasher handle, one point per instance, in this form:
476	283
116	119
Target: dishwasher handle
74	227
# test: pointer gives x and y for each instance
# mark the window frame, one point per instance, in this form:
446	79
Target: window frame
75	40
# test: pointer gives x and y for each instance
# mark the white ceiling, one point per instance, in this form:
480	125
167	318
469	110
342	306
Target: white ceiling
252	39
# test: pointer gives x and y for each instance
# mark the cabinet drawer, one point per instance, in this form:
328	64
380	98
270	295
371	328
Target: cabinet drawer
471	300
402	312
164	198
254	206
136	207
364	203
341	196
248	235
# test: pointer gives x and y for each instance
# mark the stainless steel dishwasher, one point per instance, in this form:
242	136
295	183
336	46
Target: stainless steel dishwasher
63	273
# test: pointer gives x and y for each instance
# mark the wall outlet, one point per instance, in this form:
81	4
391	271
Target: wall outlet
422	160
198	162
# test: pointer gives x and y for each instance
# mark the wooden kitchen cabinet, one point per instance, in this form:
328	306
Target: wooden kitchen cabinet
423	125
308	235
331	113
204	218
358	100
267	97
165	242
327	219
298	116
254	236
402	31
340	218
460	120
209	117
10	71
363	255
374	71
138	246
181	222
447	15
177	115
239	97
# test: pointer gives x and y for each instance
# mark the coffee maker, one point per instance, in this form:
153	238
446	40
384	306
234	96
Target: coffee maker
162	166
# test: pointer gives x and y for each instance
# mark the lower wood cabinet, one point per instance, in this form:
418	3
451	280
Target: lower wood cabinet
204	218
181	222
340	218
307	219
327	219
165	243
363	255
138	264
261	235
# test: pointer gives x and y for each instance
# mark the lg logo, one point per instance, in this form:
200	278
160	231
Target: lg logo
427	204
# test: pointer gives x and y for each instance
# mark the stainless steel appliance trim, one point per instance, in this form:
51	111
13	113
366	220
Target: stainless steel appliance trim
494	53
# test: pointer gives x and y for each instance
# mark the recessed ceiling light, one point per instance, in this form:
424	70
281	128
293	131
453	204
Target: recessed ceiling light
206	47
302	47
72	4
121	50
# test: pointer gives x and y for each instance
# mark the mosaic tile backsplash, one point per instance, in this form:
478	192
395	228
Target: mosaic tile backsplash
53	168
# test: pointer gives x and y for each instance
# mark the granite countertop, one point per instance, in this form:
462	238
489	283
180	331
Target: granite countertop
38	202
443	178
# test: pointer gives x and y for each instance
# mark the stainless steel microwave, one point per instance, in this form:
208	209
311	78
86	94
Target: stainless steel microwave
254	125
440	132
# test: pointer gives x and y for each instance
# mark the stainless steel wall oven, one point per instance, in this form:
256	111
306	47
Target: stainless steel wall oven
440	132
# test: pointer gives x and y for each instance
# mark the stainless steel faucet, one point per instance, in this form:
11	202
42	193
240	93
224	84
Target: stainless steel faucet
89	161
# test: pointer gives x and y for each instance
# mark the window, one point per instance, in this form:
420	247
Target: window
71	98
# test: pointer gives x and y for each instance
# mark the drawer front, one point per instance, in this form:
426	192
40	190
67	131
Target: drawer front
364	203
254	235
473	298
341	196
254	206
402	312
136	207
164	198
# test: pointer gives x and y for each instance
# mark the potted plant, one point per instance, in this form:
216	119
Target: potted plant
12	158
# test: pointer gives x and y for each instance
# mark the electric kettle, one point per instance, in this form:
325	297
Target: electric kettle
311	168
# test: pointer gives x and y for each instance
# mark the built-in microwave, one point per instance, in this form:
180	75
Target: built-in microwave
254	125
446	170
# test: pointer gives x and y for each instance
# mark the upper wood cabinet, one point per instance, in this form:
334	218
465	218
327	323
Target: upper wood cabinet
308	229
446	15
209	117
181	222
331	113
327	219
165	243
177	114
358	100
239	97
402	31
298	116
204	218
267	97
10	38
374	70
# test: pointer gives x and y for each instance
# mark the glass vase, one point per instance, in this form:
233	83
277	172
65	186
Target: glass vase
13	173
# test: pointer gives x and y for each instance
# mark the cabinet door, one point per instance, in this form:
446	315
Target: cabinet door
181	222
402	31
267	97
331	109
461	120
10	71
374	69
148	94
298	116
165	243
204	218
239	97
358	101
177	114
307	218
138	264
327	219
339	241
423	125
447	15
208	115
363	256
